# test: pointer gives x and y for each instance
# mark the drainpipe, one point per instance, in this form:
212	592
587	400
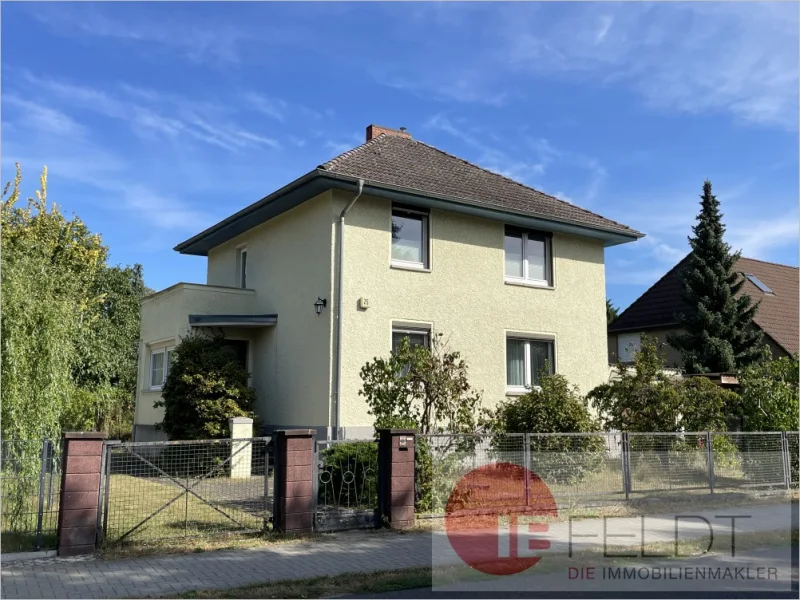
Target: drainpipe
340	304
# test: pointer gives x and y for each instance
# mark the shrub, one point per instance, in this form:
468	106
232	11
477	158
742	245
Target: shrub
769	395
423	388
646	398
205	386
556	407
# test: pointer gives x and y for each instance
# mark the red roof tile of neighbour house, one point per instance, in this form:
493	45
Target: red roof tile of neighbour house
778	314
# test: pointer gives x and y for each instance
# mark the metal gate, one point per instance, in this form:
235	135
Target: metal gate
30	484
160	490
346	484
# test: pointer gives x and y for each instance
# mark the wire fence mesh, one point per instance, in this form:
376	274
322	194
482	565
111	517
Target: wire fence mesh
346	481
30	484
602	467
160	490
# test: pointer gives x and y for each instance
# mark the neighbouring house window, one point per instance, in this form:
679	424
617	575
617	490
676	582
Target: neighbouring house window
409	237
241	267
528	257
525	360
416	337
628	344
160	361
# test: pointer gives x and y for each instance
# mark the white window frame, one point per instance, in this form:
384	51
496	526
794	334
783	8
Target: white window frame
166	351
407	330
547	282
241	251
426	240
518	390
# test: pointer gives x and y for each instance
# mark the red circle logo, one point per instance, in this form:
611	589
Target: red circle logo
494	518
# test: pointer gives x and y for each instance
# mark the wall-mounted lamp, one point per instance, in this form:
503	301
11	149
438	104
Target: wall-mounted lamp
320	304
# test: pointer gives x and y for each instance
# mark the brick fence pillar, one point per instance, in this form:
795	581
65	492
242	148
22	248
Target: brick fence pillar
293	506
80	493
396	477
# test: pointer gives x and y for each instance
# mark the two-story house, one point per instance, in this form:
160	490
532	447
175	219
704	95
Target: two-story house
393	238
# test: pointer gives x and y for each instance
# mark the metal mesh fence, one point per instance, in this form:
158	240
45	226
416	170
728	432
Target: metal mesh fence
346	481
30	483
161	490
588	467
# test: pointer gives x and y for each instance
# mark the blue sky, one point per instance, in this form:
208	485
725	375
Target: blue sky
159	119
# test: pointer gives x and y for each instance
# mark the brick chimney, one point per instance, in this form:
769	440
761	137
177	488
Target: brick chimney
374	131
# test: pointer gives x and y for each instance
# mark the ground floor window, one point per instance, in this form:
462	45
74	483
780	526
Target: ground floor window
417	336
525	361
160	360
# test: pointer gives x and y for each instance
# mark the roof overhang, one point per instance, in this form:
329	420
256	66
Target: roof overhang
233	320
319	180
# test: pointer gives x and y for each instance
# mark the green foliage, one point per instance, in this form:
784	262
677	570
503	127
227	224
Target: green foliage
769	395
612	312
205	386
718	337
556	407
645	398
70	324
421	388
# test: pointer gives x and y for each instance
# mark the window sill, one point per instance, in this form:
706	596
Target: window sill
409	267
153	389
530	284
518	391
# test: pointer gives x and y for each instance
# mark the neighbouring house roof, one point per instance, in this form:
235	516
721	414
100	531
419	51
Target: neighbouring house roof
407	170
778	314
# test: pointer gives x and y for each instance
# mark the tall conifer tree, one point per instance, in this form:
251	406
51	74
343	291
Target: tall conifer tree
718	336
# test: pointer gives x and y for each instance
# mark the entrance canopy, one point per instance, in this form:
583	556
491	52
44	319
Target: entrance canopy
233	320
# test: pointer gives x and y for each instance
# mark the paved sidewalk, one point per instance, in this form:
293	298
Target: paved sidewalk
355	551
166	575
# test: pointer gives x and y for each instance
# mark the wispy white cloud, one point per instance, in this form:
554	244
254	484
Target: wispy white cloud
445	86
151	113
42	118
739	58
758	237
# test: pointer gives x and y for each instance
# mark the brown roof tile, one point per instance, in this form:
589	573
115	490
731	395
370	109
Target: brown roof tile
778	315
411	164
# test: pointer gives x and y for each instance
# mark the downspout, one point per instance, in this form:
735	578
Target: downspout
339	308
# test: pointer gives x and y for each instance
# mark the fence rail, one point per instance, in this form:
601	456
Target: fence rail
30	484
161	490
586	467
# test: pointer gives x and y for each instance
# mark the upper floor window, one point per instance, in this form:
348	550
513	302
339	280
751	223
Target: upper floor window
526	360
160	361
410	238
241	267
529	257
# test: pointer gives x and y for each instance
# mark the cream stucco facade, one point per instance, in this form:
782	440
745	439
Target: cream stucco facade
465	297
292	261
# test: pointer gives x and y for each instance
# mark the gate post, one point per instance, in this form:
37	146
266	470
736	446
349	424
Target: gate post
241	429
396	477
293	505
80	493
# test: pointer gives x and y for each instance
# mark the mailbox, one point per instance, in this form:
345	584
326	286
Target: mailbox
402	442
